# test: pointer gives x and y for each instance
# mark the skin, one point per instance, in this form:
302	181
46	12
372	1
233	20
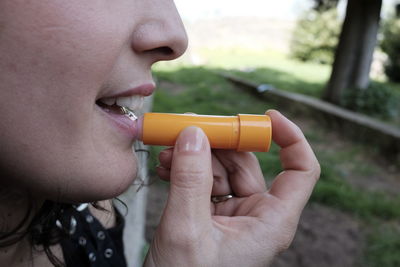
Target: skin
56	59
247	230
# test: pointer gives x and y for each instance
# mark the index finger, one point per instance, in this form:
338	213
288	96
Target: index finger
301	169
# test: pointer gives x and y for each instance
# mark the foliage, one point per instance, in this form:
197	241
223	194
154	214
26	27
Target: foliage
391	46
377	100
383	246
324	5
316	36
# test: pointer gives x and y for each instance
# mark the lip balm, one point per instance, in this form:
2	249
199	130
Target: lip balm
243	132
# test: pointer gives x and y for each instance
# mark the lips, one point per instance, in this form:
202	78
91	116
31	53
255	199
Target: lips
114	104
113	107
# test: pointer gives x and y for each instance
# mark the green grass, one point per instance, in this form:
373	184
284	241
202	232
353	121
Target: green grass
272	67
262	66
383	246
207	93
204	93
279	70
201	91
244	59
283	80
335	192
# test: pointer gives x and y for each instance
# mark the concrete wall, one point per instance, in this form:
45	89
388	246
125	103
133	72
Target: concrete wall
358	127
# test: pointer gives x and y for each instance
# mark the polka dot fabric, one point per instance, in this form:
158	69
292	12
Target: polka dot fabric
88	243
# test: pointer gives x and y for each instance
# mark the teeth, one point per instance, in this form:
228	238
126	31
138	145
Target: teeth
131	102
127	112
108	101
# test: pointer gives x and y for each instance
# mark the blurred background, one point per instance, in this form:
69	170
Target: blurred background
333	67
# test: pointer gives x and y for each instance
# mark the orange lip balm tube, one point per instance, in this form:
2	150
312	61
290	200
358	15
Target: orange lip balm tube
242	132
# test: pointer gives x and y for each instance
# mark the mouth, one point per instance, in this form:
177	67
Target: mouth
121	108
127	102
121	113
127	105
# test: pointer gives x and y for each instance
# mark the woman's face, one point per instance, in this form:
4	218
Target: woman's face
58	60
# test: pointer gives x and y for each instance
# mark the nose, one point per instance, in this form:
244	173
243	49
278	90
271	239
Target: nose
160	35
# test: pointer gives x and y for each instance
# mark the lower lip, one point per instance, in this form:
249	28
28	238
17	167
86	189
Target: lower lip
124	124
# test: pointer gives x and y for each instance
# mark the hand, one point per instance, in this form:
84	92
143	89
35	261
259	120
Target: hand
247	230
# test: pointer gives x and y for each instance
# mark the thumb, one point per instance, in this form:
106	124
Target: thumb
191	178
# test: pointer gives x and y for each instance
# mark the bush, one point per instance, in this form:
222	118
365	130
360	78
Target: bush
316	36
391	46
377	100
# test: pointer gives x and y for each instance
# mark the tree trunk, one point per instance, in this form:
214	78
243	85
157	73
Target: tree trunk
356	46
369	32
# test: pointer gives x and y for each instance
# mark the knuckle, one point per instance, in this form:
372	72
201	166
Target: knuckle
316	170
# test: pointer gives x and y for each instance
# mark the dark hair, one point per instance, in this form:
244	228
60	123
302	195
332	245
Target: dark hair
41	231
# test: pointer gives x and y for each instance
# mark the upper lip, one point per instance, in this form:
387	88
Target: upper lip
145	89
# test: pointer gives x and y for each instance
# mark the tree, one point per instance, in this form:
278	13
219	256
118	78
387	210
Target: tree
353	56
391	46
324	5
315	36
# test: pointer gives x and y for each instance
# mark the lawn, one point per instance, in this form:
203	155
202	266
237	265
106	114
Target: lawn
200	90
279	70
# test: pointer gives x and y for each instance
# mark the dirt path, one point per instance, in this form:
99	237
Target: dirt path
325	237
364	170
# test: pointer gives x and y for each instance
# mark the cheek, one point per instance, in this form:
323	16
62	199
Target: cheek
53	64
62	44
96	179
69	177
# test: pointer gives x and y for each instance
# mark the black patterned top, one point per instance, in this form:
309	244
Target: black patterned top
88	243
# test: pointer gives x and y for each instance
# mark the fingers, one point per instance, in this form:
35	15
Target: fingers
190	178
165	158
245	175
220	183
233	172
301	169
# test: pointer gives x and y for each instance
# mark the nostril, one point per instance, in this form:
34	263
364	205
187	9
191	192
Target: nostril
164	50
162	53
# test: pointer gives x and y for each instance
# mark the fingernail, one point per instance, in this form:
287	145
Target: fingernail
190	139
271	110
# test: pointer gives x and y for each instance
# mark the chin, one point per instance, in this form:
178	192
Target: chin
99	184
111	187
99	191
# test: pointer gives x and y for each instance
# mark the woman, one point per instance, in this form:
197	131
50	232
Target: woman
66	67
